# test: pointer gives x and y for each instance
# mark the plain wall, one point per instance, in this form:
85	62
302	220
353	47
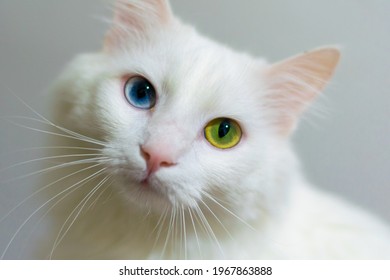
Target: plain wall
344	150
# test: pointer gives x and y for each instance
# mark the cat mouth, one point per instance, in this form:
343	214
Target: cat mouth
157	191
146	179
150	179
145	183
149	183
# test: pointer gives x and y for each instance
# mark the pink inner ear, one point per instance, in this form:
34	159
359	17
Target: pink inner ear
294	83
136	19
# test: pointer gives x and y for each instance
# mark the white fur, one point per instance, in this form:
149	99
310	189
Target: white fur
255	201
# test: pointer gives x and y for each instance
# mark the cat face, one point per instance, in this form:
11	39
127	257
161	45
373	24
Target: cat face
185	119
162	145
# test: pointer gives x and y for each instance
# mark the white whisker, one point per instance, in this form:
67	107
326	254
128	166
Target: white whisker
219	221
45	120
100	195
159	226
169	232
81	206
99	160
208	228
228	211
184	231
37	210
195	231
57	202
46	158
179	227
70	135
45	188
50	148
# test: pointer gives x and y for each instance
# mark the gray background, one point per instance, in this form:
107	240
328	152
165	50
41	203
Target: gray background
345	150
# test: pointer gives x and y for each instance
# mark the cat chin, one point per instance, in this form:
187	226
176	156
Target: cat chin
157	194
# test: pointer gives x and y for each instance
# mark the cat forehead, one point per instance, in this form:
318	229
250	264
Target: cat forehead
191	70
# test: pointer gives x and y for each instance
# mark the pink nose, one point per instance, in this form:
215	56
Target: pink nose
157	157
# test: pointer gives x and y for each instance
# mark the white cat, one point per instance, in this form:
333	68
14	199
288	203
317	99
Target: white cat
181	150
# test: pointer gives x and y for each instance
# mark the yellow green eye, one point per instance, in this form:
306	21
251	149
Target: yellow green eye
223	133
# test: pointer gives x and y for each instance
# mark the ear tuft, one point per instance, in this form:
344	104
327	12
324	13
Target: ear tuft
136	19
293	84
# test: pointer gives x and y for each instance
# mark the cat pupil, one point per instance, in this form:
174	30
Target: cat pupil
142	92
224	128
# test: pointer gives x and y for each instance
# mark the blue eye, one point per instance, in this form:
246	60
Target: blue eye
140	93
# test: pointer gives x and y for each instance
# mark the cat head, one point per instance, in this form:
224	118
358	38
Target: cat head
186	119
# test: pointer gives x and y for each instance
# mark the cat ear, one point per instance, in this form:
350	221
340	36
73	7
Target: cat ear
135	19
292	85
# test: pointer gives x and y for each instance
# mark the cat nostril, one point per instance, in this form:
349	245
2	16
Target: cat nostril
166	164
145	154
